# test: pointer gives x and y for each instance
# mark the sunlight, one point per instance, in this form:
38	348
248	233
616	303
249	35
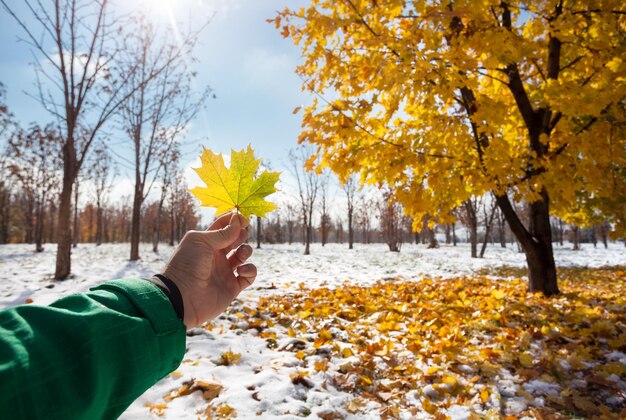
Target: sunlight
162	7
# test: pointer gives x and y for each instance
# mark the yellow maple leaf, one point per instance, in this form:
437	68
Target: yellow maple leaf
235	188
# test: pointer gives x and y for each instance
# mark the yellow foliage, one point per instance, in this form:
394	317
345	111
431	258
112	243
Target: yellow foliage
445	100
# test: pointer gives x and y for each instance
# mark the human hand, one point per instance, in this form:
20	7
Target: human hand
208	275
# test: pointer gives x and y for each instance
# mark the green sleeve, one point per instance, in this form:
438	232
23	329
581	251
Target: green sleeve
87	356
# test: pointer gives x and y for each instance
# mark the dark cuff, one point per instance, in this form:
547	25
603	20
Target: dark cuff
172	292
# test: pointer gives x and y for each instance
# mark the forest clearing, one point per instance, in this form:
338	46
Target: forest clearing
335	209
369	333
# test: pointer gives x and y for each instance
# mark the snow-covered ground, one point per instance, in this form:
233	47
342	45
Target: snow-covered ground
260	382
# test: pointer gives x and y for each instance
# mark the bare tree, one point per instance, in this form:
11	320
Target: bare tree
391	221
103	174
181	207
364	213
308	189
6	197
489	211
75	52
7	129
350	187
36	163
469	217
501	224
160	104
325	220
169	162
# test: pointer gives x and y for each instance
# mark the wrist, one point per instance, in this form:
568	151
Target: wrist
172	292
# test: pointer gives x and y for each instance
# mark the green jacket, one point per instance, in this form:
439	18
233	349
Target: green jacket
87	356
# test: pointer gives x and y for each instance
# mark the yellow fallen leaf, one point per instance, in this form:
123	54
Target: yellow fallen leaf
429	406
484	395
526	359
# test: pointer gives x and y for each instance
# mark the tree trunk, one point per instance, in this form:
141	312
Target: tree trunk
501	229
258	232
576	238
135	223
64	233
99	225
29	232
6	217
454	238
156	234
75	240
307	236
594	237
604	235
472	221
289	231
39	228
432	239
172	227
487	232
350	231
536	242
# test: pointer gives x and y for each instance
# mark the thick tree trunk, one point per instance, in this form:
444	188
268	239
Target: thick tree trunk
536	243
64	233
576	238
604	235
472	225
432	239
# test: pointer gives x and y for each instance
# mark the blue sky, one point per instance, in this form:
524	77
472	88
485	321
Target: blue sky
241	56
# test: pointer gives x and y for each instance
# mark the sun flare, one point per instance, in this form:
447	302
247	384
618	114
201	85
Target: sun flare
163	7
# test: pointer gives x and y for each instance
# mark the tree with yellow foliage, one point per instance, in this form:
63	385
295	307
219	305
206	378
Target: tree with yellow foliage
448	100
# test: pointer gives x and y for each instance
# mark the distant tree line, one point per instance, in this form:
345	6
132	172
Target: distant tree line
29	197
378	218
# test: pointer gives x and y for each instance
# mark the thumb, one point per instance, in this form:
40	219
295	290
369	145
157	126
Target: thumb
223	238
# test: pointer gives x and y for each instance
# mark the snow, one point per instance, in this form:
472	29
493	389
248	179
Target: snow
260	383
